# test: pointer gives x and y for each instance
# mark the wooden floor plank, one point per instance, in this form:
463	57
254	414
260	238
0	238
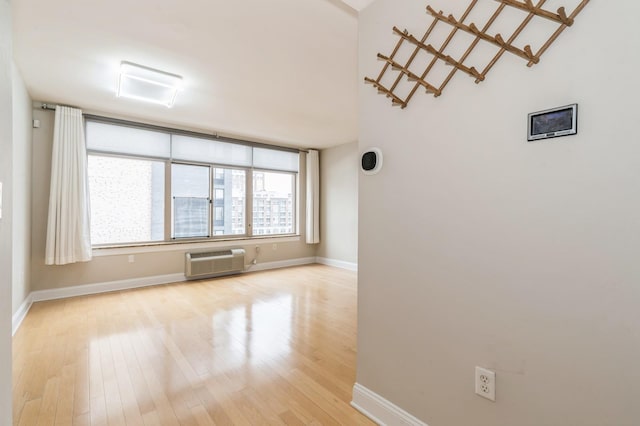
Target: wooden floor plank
64	409
47	415
30	413
272	347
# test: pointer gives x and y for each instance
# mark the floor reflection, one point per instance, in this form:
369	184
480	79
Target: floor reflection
261	330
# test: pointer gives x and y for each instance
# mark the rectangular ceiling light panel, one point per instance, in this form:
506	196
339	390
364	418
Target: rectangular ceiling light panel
147	84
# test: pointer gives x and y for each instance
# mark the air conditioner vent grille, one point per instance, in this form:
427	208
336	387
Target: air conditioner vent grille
211	254
214	263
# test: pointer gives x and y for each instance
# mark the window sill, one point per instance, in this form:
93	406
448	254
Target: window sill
191	245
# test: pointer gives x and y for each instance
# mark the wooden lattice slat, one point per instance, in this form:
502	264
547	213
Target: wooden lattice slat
404	70
515	34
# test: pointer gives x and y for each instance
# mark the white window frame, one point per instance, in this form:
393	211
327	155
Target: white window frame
168	205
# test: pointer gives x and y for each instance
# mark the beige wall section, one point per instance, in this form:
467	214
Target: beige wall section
117	267
21	191
6	124
479	248
339	203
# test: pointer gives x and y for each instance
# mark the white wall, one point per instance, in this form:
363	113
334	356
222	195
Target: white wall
339	203
5	222
478	248
21	191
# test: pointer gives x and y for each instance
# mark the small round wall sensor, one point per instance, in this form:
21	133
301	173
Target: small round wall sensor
371	161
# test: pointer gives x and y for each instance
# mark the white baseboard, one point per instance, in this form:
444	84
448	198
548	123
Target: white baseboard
22	311
83	290
337	263
281	264
380	410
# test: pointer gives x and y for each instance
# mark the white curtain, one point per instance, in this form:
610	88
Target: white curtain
68	234
313	197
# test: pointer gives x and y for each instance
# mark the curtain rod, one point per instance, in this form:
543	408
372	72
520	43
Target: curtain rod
52	107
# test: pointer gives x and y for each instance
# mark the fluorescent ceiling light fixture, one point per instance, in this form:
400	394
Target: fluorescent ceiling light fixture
147	84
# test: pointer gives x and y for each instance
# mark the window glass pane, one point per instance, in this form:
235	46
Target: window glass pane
127	200
127	140
230	201
273	203
219	213
210	151
190	192
274	159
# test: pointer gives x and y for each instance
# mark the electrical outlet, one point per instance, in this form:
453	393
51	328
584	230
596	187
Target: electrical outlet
486	383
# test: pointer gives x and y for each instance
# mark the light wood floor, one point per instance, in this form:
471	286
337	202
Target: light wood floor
275	347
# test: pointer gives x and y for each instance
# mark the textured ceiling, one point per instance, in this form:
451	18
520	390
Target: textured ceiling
280	71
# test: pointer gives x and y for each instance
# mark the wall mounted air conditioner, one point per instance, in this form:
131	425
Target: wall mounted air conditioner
213	263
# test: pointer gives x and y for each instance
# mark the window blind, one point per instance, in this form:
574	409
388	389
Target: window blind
127	140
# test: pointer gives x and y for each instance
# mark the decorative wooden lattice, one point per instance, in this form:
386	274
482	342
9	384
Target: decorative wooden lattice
405	70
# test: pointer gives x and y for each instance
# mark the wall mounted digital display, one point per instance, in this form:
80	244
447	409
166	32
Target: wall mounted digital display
551	123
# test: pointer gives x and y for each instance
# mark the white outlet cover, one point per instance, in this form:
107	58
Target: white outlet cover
486	383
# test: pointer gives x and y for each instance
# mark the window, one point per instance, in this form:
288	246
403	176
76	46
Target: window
127	199
230	201
273	202
219	214
206	194
190	193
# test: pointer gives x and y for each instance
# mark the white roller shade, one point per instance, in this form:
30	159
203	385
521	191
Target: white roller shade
274	159
127	140
189	148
